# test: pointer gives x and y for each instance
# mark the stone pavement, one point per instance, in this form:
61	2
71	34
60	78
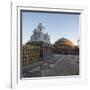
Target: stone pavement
65	65
57	65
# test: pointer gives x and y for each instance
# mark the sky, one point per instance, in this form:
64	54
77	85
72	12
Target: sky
57	25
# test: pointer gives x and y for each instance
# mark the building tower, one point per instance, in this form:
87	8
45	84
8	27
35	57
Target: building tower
39	35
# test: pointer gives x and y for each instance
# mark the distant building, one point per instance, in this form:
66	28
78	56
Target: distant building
64	46
39	35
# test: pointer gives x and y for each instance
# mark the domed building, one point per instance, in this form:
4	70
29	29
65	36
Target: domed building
63	46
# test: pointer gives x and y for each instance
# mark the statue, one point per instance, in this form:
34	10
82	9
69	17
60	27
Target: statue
35	31
40	27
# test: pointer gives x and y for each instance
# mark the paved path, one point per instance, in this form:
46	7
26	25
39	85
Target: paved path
57	65
64	66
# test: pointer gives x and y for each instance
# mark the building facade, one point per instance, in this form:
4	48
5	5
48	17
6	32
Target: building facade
64	46
38	47
30	54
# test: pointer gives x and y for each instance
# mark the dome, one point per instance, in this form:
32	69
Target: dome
62	39
65	41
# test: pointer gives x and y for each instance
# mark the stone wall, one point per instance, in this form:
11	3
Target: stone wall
35	51
30	54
